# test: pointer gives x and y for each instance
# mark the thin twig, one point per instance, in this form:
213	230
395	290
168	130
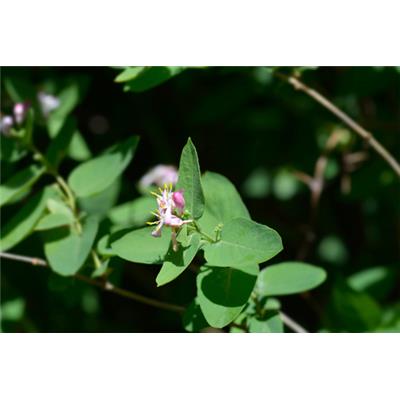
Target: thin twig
293	325
367	136
316	184
105	285
109	287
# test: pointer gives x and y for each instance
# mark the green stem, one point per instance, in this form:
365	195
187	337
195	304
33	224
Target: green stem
205	235
96	259
68	192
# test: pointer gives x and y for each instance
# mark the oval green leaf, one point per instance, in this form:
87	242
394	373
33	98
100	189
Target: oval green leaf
139	246
222	293
289	278
23	223
271	323
222	202
51	221
97	174
243	242
66	251
190	180
133	213
147	77
177	261
23	180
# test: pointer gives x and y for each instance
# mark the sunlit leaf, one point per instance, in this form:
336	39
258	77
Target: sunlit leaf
85	180
289	278
190	181
243	242
139	246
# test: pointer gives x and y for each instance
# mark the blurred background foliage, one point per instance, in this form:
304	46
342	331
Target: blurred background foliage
262	135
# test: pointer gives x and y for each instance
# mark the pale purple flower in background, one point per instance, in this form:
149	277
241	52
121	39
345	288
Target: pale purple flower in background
159	176
170	210
6	124
20	111
48	103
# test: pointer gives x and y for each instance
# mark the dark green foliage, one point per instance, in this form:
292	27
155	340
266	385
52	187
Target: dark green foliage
258	134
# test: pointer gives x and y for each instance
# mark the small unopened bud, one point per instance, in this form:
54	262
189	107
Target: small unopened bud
20	111
6	124
179	200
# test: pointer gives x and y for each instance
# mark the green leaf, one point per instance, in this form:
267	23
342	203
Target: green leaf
128	74
23	223
378	282
177	261
190	181
243	242
99	204
133	213
69	98
57	206
352	311
271	323
139	246
289	278
66	250
222	198
193	319
222	293
147	77
19	183
51	221
59	145
11	150
104	248
78	149
222	202
19	88
97	174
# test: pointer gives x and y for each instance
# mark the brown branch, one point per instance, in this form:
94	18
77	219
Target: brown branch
363	133
109	287
316	184
105	285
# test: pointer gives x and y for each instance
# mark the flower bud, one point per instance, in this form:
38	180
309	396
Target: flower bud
179	200
6	124
20	111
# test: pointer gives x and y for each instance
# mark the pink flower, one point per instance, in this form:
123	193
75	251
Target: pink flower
20	111
159	176
169	212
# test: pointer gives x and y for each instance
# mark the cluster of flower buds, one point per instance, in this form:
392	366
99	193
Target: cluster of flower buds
159	175
20	111
47	103
171	207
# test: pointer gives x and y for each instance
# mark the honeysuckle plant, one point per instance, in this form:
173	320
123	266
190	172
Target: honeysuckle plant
204	223
196	221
